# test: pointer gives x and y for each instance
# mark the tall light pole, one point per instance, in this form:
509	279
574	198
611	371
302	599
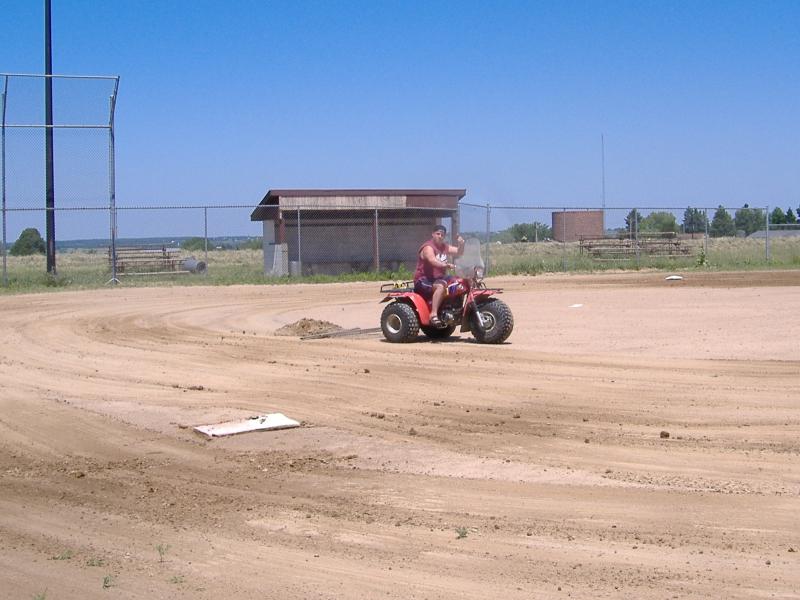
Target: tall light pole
50	216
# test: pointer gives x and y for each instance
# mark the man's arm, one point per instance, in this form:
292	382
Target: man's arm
457	251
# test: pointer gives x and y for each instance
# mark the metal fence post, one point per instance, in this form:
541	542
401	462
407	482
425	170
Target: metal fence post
636	233
377	247
488	237
3	167
766	234
299	252
564	239
705	235
205	238
112	193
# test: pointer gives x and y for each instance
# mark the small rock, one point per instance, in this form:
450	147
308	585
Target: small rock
664	435
412	431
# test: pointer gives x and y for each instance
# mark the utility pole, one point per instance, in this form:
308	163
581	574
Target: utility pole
50	216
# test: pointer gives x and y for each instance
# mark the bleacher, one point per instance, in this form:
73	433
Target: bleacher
147	260
651	244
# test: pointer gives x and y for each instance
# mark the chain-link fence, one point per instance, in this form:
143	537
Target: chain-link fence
526	239
66	152
193	244
349	240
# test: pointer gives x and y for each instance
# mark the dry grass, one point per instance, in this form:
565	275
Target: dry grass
81	269
721	254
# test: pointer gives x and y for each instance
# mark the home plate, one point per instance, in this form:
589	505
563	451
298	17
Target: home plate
674	278
259	423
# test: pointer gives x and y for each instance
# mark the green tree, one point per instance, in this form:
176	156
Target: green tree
29	242
519	232
694	220
633	221
776	217
660	221
722	224
790	216
529	232
749	219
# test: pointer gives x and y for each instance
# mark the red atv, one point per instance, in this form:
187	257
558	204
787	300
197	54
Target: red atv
469	303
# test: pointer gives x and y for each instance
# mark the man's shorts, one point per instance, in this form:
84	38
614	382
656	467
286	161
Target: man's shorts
424	286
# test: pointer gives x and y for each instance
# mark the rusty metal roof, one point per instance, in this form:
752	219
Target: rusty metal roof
355	199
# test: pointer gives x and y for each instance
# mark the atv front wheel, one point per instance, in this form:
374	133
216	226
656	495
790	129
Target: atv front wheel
399	323
498	322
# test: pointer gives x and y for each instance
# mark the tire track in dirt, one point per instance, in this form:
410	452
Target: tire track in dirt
423	470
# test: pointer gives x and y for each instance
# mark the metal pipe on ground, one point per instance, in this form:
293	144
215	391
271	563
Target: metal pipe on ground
193	265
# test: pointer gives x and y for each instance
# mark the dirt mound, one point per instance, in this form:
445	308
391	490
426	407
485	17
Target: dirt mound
307	327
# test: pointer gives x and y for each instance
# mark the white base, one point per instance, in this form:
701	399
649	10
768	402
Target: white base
262	422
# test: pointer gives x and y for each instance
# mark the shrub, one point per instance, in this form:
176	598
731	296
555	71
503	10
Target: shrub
29	242
659	221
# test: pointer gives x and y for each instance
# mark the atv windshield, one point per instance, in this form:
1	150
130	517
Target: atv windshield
470	260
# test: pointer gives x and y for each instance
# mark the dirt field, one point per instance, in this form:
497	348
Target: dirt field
540	468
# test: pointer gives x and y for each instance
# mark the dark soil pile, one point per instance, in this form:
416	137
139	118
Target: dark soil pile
307	327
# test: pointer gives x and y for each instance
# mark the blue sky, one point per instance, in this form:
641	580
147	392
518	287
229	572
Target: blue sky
698	102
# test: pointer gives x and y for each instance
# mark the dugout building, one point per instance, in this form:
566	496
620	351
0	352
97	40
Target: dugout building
310	232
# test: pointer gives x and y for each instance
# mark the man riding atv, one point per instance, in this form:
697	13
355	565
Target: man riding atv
431	280
439	303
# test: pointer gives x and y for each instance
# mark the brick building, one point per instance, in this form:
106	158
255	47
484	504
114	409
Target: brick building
571	225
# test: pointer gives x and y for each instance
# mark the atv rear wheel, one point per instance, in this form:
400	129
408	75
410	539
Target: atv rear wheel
498	322
438	333
399	323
